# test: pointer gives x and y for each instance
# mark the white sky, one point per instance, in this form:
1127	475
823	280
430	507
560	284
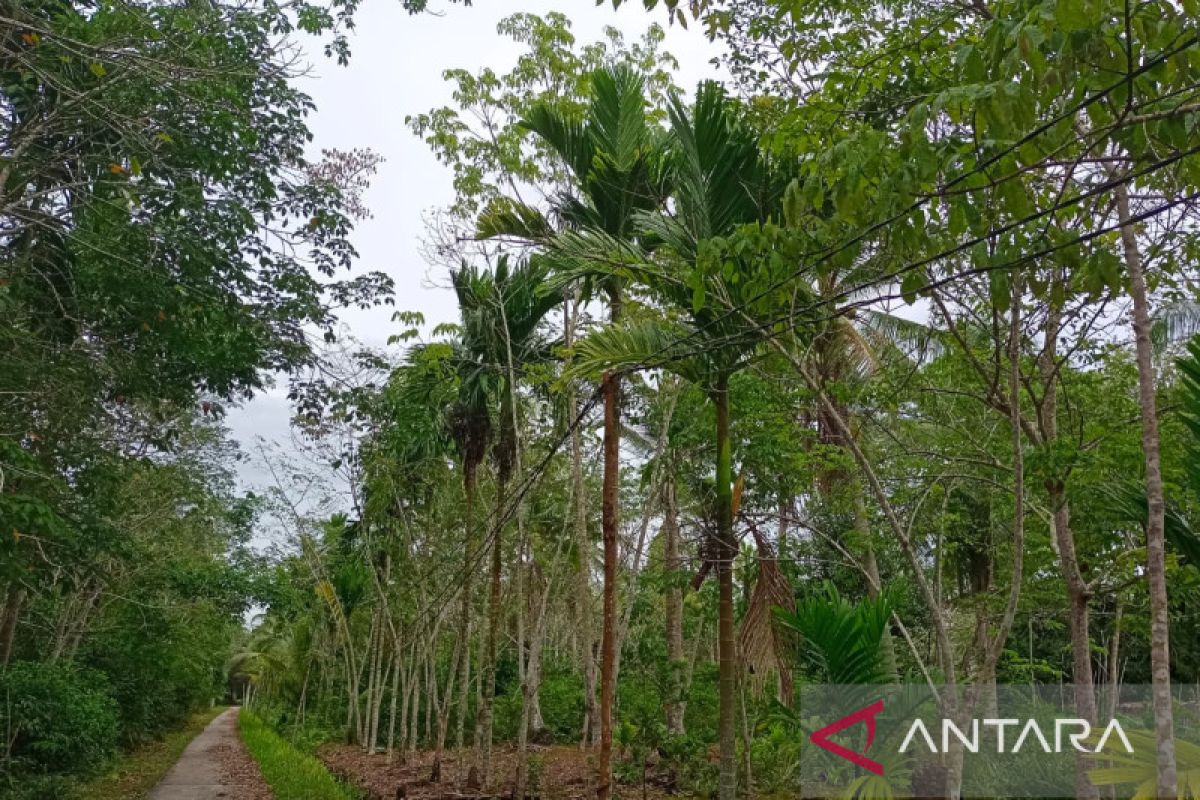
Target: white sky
396	70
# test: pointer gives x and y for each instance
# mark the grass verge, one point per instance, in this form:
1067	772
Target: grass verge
292	775
135	773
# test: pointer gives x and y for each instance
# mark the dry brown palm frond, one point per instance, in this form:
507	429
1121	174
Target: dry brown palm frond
764	646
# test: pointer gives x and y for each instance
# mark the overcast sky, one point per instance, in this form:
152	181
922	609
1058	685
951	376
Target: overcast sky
396	70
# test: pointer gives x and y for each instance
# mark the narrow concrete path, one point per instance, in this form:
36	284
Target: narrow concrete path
199	773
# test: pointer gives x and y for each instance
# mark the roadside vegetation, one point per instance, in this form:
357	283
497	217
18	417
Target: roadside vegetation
135	773
291	774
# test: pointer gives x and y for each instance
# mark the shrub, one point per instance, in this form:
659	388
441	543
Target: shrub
62	718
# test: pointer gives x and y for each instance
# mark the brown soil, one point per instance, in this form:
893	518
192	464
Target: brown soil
239	769
564	773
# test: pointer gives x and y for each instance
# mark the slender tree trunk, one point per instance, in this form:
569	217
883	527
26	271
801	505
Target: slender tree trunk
674	609
8	624
302	703
584	629
443	724
488	675
374	693
537	644
431	702
1114	659
397	665
726	551
1079	594
521	582
369	664
1156	569
463	665
414	727
609	524
406	702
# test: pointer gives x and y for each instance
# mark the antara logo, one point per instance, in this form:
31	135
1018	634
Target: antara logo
1030	730
1075	731
865	715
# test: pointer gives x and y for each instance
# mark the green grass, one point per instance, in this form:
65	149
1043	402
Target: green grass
135	773
292	775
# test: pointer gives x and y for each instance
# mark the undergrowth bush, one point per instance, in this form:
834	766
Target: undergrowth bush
60	718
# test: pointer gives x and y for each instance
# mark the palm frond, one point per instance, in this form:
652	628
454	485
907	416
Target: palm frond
1140	768
617	114
715	165
1128	501
638	344
1174	324
915	340
1189	378
842	642
505	217
566	135
592	253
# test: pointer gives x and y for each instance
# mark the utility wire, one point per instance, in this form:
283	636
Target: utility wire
917	204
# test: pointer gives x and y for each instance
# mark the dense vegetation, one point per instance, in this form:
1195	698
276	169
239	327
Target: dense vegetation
163	246
874	364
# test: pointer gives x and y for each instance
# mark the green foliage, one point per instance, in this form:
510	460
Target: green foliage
136	773
841	640
60	718
552	74
1137	770
292	775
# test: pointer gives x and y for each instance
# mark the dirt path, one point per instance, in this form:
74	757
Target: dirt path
214	765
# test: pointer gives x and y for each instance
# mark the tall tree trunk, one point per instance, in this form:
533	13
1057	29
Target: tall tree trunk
1114	658
726	551
374	692
406	700
431	702
488	674
397	665
674	609
463	665
1156	569
609	522
443	711
537	644
1079	594
414	678
584	634
521	583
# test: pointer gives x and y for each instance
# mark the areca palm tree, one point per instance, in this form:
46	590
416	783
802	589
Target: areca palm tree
714	244
502	312
615	155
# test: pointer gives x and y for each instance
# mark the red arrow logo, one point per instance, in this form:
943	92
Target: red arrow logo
867	715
